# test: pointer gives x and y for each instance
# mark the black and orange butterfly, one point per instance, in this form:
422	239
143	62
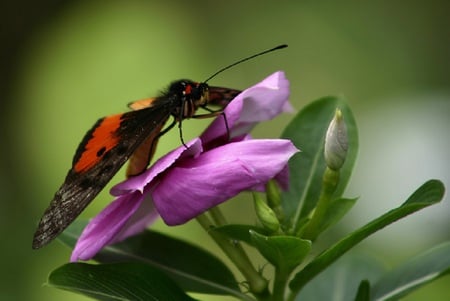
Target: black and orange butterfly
132	135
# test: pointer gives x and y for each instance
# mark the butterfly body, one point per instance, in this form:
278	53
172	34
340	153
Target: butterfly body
113	140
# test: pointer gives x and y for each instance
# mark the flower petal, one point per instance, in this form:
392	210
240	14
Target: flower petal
218	128
283	178
266	99
187	190
260	102
139	182
145	215
103	228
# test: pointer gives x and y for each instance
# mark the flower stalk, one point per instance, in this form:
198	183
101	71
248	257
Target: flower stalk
329	184
258	285
280	284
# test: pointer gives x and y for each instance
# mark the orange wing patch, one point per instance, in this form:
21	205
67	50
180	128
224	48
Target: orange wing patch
103	139
142	104
141	157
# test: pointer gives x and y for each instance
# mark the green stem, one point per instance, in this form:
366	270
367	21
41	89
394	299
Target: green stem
329	184
218	216
257	284
280	284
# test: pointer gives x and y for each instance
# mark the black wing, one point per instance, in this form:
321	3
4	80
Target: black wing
102	152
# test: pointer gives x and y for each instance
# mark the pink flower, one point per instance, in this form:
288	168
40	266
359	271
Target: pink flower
188	181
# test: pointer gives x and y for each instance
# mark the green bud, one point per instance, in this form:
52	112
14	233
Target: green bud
273	194
265	214
336	142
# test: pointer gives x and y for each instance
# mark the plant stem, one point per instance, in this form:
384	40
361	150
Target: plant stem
258	285
329	183
280	284
218	216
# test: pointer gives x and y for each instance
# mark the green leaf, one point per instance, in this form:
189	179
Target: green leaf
191	267
336	211
363	293
414	273
284	252
120	281
428	194
342	280
307	131
70	236
240	232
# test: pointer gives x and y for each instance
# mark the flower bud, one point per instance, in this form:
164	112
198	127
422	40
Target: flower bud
265	214
336	142
273	196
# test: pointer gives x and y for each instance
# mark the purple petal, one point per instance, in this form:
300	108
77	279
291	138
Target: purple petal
263	101
139	182
283	178
103	228
260	102
215	176
145	215
266	99
217	128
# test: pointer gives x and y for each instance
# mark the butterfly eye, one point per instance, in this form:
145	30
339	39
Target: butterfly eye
188	89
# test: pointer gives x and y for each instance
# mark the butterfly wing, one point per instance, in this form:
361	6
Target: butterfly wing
141	157
220	96
143	103
101	153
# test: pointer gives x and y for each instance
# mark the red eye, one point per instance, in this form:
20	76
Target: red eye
188	89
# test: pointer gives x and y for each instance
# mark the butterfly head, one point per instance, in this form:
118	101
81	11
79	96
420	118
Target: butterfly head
193	91
190	96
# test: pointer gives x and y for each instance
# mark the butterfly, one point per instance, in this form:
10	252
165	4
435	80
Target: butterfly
132	136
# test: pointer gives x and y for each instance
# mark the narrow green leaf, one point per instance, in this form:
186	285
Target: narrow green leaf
120	281
284	252
336	211
363	293
428	194
342	279
192	268
414	273
307	131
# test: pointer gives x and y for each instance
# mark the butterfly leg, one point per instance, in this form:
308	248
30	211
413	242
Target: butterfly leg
214	113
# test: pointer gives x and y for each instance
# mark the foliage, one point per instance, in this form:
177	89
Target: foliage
168	268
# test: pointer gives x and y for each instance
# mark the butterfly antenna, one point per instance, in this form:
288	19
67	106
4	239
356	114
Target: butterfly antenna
246	59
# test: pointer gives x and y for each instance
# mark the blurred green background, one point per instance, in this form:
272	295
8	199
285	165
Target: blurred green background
66	63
